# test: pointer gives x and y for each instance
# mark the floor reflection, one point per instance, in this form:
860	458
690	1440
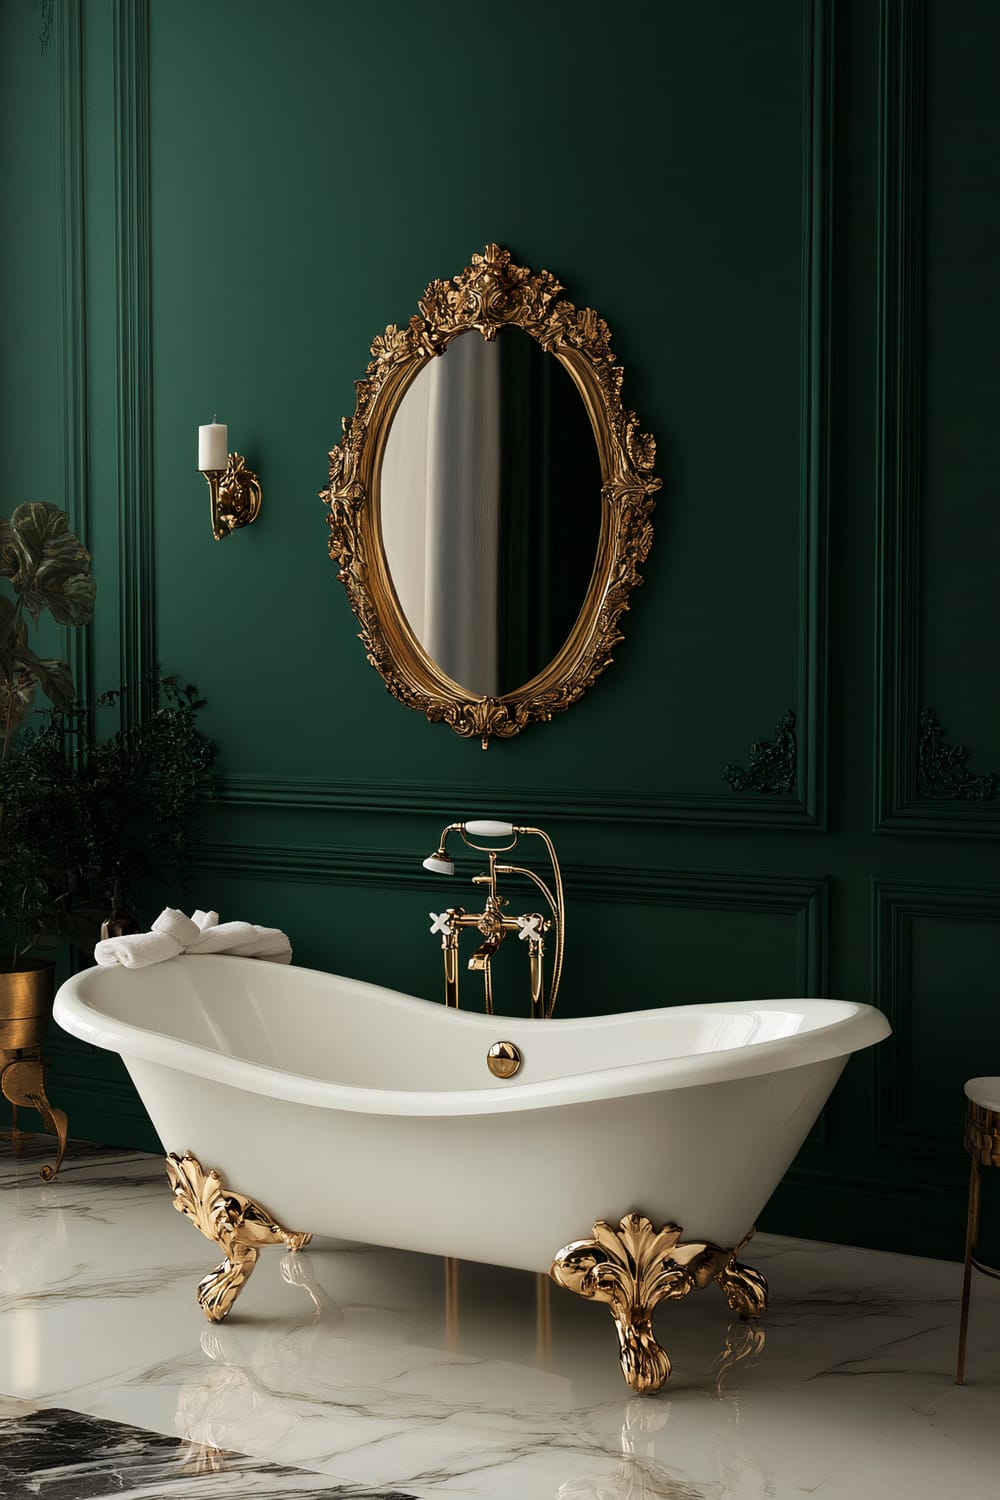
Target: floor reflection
369	1367
640	1475
258	1376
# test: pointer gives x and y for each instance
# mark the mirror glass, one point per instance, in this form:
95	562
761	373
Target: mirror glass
489	502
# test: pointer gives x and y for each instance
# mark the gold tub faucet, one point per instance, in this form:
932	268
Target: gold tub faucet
492	922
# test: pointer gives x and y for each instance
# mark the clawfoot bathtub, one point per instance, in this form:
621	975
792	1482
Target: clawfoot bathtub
628	1156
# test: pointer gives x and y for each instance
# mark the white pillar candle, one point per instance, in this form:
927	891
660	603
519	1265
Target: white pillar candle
213	446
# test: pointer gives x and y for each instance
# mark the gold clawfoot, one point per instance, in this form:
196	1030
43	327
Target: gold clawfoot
635	1267
743	1288
235	1223
23	1082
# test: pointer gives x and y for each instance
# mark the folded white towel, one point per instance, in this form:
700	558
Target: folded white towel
137	950
222	938
176	925
174	933
262	941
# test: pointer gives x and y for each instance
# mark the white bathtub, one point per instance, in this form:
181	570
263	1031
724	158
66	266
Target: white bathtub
350	1110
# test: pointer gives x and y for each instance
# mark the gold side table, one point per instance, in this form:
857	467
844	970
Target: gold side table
982	1141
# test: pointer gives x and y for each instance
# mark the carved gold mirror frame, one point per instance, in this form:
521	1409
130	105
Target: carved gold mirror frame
490	293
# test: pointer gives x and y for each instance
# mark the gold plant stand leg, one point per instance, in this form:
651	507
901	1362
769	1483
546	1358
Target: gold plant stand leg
635	1267
238	1225
22	1082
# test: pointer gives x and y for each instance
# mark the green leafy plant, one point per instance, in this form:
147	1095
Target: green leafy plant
86	823
48	570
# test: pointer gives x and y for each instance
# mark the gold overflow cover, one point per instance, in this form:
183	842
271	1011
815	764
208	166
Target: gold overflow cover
503	1059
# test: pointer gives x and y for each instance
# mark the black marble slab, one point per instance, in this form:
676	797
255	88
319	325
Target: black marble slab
55	1454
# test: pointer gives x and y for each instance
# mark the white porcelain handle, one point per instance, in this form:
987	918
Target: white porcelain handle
489	828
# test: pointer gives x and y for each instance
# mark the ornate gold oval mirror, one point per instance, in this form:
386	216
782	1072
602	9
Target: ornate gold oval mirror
490	501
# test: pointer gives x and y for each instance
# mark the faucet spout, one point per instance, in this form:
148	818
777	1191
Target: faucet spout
479	958
479	962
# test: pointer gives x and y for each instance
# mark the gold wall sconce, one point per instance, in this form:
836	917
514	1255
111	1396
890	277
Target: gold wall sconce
234	490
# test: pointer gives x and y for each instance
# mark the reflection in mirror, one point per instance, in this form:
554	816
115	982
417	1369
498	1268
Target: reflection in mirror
490	508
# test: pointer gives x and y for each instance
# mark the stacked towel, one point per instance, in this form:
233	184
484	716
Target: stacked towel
174	933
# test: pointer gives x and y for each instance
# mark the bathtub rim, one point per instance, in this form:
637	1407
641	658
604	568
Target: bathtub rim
859	1026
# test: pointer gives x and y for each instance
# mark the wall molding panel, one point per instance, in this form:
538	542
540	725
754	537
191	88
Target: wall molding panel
806	808
438	799
899	808
896	907
804	897
901	169
133	229
72	331
814	420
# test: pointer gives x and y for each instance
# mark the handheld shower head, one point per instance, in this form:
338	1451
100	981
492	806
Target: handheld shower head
439	863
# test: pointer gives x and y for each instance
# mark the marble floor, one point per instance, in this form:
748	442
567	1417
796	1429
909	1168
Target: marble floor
348	1370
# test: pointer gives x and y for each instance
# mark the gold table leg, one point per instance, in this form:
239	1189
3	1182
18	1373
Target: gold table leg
982	1141
238	1225
971	1229
22	1082
635	1267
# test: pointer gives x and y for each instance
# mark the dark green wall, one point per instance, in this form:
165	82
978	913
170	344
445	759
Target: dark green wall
786	213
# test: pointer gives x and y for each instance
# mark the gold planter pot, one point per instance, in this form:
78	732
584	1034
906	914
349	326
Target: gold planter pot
25	1004
26	995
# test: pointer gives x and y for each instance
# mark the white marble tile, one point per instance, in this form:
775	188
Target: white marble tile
354	1372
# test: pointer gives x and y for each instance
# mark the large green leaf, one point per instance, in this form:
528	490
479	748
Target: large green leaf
56	680
47	563
13	644
6	616
9	557
16	695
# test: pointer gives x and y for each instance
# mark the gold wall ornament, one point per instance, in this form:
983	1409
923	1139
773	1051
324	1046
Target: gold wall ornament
488	295
238	1225
635	1267
234	496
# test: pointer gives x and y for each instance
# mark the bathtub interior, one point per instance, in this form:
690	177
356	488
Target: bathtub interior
320	1026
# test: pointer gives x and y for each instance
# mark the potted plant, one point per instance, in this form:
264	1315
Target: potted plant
85	821
134	797
47	569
